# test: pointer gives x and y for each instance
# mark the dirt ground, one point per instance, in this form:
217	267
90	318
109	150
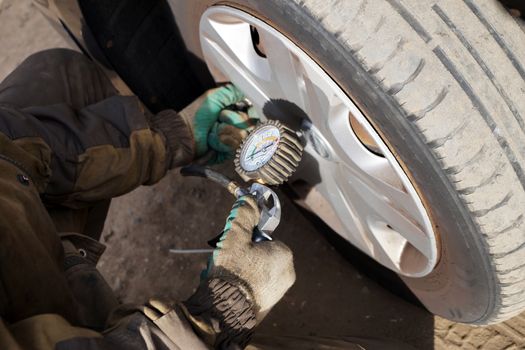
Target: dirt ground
331	297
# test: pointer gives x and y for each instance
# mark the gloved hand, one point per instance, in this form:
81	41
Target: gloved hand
266	268
216	128
242	282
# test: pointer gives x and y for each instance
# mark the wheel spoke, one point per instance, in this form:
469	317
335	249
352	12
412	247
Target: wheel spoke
397	220
379	179
330	116
287	70
374	245
319	106
348	214
235	57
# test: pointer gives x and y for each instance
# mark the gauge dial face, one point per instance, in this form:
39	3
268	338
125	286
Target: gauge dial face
259	148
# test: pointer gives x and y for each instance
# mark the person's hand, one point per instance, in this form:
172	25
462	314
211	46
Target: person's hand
265	268
219	129
242	282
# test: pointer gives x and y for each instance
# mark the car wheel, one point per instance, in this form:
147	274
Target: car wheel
412	112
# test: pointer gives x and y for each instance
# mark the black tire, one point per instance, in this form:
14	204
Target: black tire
442	82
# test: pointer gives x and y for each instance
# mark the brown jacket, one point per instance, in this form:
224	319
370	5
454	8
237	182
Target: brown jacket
68	144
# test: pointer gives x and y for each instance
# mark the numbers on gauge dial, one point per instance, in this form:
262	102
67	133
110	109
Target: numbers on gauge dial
260	147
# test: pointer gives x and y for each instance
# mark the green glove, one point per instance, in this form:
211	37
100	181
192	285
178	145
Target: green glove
265	268
219	129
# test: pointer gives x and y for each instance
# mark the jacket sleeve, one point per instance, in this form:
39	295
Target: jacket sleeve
37	308
134	332
99	151
31	255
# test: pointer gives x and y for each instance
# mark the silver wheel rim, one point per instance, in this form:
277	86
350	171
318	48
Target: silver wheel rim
372	202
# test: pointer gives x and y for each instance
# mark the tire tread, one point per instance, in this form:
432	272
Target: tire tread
460	59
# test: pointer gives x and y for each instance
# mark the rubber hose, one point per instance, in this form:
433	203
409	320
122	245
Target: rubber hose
206	172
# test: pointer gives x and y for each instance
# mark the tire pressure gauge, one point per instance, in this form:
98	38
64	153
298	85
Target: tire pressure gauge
270	154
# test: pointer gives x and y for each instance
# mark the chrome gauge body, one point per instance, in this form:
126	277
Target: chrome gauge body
270	154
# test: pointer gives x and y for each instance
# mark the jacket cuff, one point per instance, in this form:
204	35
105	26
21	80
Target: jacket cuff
221	313
180	143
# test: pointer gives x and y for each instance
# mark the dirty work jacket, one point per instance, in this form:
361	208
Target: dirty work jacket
68	143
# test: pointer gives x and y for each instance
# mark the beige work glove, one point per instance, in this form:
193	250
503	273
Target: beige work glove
243	281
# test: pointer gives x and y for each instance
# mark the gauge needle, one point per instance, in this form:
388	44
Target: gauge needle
253	154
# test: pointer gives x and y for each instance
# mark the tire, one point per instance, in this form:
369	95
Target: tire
442	82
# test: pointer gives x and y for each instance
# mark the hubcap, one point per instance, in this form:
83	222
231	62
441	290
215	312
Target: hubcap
372	202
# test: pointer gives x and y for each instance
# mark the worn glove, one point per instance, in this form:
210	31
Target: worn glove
203	126
219	129
178	137
242	282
